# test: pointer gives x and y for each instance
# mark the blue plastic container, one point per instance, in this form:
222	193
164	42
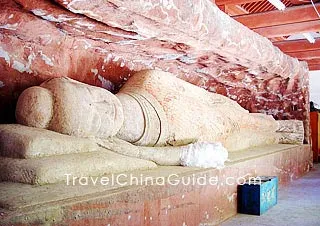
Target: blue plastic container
258	195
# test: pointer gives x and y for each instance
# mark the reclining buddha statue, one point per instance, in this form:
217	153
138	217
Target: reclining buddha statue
152	111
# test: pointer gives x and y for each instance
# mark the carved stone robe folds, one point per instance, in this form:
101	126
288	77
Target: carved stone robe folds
160	109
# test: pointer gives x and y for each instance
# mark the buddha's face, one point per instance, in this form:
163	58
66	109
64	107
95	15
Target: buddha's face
35	107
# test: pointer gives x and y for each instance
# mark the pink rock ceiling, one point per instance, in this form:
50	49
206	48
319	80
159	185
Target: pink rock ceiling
103	42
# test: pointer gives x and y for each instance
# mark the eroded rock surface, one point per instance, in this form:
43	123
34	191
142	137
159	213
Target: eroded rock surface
104	42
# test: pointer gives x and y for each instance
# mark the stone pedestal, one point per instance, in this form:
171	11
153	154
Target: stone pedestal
123	204
38	156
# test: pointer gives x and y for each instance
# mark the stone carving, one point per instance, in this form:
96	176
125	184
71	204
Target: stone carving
292	131
17	141
169	111
154	118
199	154
70	107
40	156
153	108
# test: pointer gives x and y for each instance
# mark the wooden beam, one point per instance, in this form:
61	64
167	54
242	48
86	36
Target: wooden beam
233	2
313	61
300	2
277	39
232	10
314	67
307	55
297	45
289	29
291	15
313	64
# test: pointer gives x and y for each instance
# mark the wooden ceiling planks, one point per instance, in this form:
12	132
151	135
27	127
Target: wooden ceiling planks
233	2
289	29
314	67
263	18
297	45
306	55
291	15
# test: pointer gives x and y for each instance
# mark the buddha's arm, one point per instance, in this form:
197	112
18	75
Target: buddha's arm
199	154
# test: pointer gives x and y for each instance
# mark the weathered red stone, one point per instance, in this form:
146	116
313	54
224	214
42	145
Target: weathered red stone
103	42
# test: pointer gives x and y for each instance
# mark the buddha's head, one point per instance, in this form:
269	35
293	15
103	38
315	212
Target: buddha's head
35	107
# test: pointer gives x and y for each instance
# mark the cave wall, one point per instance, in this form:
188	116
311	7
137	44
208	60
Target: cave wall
103	43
